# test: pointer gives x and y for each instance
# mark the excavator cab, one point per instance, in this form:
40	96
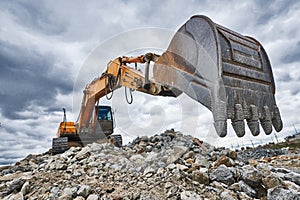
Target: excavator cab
104	126
105	119
100	129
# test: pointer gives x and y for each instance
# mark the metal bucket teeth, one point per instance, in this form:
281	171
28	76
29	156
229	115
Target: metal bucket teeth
265	121
238	121
252	122
215	65
254	127
221	128
276	120
239	128
267	126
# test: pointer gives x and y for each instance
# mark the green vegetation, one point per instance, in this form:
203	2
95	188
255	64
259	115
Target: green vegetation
292	145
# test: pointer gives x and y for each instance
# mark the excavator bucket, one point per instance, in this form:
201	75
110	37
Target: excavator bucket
227	72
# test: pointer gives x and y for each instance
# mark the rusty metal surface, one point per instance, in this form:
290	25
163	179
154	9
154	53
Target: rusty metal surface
228	73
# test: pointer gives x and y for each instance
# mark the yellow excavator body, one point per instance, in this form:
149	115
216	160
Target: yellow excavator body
66	128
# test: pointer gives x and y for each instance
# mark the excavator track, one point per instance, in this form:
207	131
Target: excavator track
62	144
117	140
59	145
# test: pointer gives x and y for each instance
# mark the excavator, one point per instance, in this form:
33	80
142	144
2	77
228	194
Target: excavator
228	73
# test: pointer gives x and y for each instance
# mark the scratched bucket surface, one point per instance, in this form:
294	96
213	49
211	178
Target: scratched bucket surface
227	72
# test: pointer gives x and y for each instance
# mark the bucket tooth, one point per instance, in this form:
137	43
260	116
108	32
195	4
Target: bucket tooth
276	121
239	128
254	127
265	121
267	126
219	114
221	128
238	121
253	123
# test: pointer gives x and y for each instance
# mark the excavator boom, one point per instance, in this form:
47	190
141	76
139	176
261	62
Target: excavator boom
119	74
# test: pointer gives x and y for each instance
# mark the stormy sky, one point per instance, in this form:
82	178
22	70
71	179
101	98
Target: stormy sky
49	50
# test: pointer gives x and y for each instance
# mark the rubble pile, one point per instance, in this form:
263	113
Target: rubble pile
256	153
166	166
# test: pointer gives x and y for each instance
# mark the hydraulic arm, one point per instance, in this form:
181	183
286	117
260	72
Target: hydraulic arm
119	74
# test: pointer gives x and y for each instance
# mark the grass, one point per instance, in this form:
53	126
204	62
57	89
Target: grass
293	145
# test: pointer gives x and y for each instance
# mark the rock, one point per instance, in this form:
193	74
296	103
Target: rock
54	192
223	160
84	153
79	198
271	181
17	196
200	177
177	152
117	166
279	193
168	185
292	186
222	174
61	166
182	167
14	185
171	166
232	154
144	139
251	176
281	170
65	197
96	147
136	195
190	161
172	191
188	155
294	177
70	153
189	195
247	189
226	196
193	167
149	171
25	188
258	153
151	157
93	197
137	158
70	192
202	161
203	169
84	191
235	187
149	148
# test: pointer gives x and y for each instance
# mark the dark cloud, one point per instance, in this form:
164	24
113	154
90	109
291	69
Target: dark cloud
34	16
293	55
285	77
295	91
25	78
269	10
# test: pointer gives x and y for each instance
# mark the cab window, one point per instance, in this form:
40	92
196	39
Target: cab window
104	114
